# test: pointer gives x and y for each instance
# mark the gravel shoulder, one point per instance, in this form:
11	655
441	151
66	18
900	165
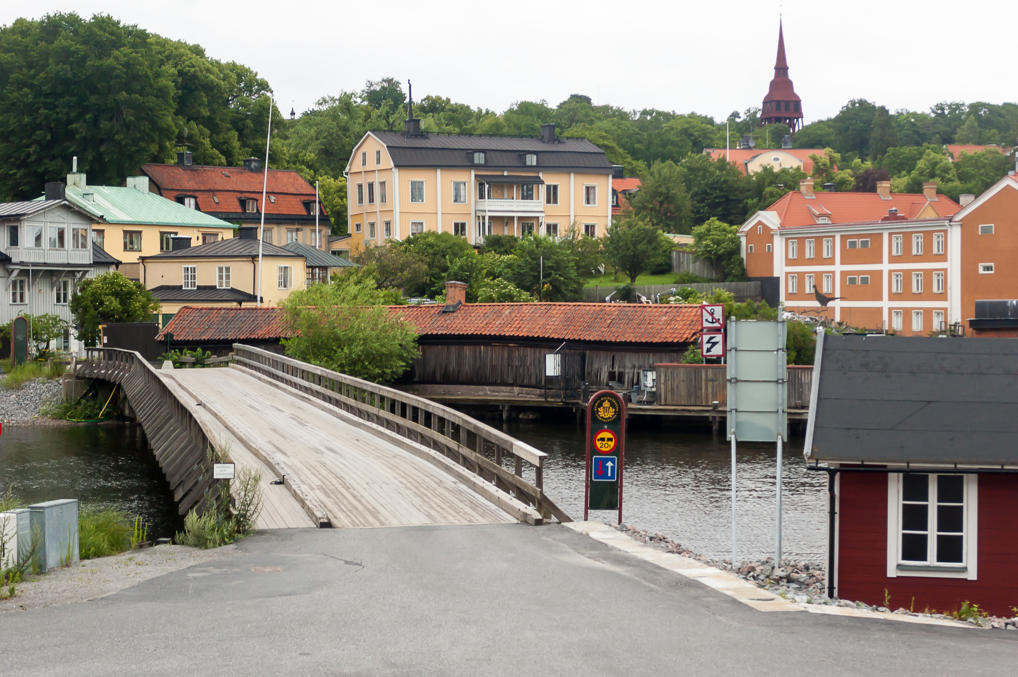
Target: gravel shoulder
21	406
95	578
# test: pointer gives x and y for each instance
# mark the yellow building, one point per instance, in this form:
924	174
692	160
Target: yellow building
222	274
403	183
131	222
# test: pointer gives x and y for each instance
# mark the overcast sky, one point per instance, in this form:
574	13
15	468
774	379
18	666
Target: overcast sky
683	56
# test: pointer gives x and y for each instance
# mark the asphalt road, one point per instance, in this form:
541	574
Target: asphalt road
462	600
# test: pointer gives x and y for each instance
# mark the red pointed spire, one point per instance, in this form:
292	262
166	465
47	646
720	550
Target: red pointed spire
780	62
782	104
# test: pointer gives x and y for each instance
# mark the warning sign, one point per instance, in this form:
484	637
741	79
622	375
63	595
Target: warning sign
605	441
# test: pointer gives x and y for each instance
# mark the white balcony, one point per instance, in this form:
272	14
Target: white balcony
50	256
509	207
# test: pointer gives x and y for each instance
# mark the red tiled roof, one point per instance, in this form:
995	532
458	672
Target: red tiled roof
957	149
794	209
626	183
195	323
593	322
288	189
740	156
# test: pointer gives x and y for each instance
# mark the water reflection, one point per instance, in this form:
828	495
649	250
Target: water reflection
107	466
678	483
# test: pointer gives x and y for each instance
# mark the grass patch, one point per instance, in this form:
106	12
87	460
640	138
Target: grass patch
103	532
23	373
85	409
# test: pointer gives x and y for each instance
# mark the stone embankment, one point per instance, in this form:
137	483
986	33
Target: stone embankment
802	582
22	405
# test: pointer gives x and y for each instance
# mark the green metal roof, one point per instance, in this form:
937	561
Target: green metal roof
316	258
115	204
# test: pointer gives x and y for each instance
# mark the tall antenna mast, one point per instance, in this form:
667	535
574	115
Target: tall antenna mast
265	181
410	96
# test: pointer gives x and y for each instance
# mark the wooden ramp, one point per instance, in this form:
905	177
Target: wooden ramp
336	469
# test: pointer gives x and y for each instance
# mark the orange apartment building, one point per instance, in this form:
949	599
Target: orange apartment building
407	182
887	258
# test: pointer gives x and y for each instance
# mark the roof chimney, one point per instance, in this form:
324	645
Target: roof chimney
930	190
247	232
412	127
252	164
806	188
455	295
966	199
76	180
548	133
139	183
884	190
178	242
184	158
55	190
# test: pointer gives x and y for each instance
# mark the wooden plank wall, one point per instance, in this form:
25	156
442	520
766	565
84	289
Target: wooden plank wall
702	384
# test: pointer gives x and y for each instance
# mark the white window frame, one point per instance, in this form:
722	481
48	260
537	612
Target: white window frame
749	248
19	293
459	228
530	159
382	197
897	320
917	282
364	158
986	268
479	157
938	243
917	320
378	157
793	249
864	279
917	244
759	229
897	244
459	192
590	230
938	282
371	230
62	292
416	227
423	196
551	194
283	277
811	248
551	230
864	243
828	283
897	283
793	283
292	235
527	228
189	277
768	248
360	193
590	195
939	320
852	280
851	244
828	247
387	230
986	229
810	285
371	192
898	568
223	276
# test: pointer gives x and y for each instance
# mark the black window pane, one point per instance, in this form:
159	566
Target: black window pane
949	549
950	489
914	517
915	487
913	547
950	519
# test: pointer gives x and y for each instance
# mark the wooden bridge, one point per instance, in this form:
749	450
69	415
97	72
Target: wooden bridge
351	453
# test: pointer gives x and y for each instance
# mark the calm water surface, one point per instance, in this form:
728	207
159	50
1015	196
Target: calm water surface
678	483
106	466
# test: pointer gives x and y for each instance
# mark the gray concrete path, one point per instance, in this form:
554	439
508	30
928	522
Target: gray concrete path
474	600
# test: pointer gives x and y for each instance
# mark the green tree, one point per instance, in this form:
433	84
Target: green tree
439	252
343	326
882	133
978	171
634	246
545	268
500	290
826	170
109	297
800	343
663	200
718	242
385	96
820	134
716	189
394	267
853	126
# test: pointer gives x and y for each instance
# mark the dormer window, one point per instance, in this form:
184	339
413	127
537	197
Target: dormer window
311	208
478	157
249	205
189	201
823	219
530	159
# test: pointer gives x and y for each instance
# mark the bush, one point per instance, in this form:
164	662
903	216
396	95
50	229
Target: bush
85	409
228	514
206	530
103	532
29	371
177	357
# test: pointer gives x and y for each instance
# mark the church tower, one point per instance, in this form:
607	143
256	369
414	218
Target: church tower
781	105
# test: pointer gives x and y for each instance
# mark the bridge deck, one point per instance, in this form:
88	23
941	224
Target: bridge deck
355	478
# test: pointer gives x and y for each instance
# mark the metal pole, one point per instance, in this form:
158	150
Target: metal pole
777	556
734	560
265	182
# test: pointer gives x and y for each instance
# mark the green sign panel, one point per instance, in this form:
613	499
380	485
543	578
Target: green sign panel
19	341
606	433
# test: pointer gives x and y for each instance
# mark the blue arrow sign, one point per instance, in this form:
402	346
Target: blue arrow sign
605	468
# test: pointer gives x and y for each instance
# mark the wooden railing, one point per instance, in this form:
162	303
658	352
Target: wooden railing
178	441
700	385
495	457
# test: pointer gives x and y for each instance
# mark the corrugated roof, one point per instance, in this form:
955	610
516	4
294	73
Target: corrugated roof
317	258
226	248
116	204
590	322
892	399
207	293
24	208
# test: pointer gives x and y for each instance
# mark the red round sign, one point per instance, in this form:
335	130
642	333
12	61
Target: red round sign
605	441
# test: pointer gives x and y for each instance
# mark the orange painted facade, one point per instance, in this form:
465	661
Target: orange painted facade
989	236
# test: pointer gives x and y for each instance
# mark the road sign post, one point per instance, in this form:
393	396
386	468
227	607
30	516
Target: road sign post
606	434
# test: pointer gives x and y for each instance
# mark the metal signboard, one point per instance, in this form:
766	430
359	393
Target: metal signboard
606	435
553	364
757	381
712	344
222	471
712	316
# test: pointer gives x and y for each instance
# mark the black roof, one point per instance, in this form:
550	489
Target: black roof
100	256
202	293
4	257
234	246
913	400
501	152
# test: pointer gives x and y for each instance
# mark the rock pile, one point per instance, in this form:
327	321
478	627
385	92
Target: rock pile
22	405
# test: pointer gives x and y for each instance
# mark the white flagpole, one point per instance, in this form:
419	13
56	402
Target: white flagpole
265	181
318	236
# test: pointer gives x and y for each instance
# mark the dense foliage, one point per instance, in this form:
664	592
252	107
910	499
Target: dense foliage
109	297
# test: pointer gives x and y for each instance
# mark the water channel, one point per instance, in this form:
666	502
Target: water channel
676	481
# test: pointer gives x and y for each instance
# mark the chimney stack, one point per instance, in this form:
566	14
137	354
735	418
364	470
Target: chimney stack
548	133
965	199
884	190
455	293
139	183
412	127
930	190
184	158
55	190
806	188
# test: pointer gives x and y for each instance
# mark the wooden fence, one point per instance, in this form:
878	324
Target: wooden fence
179	443
700	385
475	446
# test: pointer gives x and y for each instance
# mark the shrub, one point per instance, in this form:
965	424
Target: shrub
206	530
29	371
102	533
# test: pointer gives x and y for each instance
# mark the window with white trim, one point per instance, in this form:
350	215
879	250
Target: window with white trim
864	243
530	159
283	276
371	230
938	320
62	292
864	279
459	192
828	283
985	268
381	192
810	248
897	282
527	191
378	157
917	244
459	228
360	193
938	282
851	280
852	244
551	194
759	229
938	243
223	277
934	523
750	248
551	229
364	158
590	195
371	192
793	284
810	286
986	229
917	282
793	249
417	191
356	229
917	320
292	235
18	294
190	277
897	320
590	230
478	157
416	227
897	245
828	247
387	229
526	228
767	248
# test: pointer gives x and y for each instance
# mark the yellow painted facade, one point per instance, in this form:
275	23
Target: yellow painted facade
157	272
129	242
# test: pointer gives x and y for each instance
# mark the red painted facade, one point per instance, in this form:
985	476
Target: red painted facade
861	559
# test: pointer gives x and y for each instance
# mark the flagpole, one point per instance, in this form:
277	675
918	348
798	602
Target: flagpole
318	236
265	181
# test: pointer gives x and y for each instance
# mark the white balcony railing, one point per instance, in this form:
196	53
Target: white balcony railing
501	207
50	256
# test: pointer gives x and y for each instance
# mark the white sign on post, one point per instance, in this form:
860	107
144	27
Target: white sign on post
712	344
712	316
222	471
